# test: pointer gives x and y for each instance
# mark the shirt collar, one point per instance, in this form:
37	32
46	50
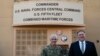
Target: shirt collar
81	41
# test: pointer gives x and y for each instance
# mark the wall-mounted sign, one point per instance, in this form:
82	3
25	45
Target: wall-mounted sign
48	13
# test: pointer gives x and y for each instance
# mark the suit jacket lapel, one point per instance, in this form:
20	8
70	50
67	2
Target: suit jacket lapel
86	47
78	47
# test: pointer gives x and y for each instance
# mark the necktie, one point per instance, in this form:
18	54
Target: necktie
82	49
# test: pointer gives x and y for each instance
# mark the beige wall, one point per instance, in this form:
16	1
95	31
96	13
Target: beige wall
91	15
92	21
6	29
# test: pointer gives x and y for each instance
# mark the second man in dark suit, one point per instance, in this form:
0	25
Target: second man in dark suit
82	47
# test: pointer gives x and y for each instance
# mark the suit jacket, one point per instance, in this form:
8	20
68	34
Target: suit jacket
76	51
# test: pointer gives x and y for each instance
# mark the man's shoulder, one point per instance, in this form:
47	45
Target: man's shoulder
90	42
46	47
86	42
75	42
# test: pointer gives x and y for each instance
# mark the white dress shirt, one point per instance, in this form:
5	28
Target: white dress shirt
84	45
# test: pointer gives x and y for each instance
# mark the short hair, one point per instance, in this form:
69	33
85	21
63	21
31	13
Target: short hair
53	36
81	31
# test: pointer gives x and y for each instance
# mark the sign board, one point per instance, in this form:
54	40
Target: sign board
48	13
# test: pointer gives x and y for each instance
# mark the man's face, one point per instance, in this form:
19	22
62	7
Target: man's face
53	41
81	36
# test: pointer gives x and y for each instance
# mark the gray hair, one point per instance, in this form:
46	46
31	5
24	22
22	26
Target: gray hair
53	36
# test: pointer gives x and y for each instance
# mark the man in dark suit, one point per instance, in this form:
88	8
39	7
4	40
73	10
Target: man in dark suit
82	47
